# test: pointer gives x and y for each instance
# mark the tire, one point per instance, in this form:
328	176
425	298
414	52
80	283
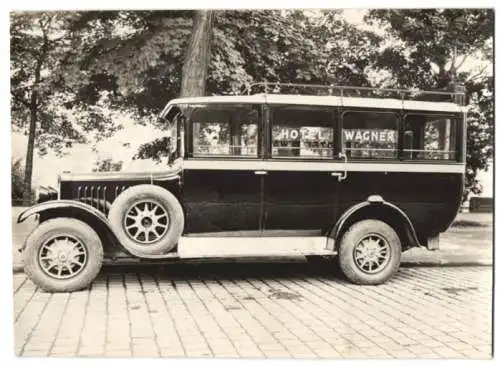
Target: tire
369	252
142	228
71	241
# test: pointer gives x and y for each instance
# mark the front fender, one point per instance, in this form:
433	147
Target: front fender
370	202
79	210
62	204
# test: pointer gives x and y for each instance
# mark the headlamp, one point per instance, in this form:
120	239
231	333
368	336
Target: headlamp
43	194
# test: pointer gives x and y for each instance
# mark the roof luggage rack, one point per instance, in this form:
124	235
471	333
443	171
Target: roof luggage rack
457	96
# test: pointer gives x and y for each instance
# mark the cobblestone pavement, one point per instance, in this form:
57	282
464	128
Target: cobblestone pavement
271	310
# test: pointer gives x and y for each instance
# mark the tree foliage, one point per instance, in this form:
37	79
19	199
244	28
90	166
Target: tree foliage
147	57
48	103
134	61
429	50
146	60
108	165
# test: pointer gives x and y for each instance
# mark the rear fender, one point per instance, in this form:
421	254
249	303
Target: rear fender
375	207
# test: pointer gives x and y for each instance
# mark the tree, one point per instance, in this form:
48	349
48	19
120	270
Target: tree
429	50
50	105
245	46
195	67
108	165
480	132
149	58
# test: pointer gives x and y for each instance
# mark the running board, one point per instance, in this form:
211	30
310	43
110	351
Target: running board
223	247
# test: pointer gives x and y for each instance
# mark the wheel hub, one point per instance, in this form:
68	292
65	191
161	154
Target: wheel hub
146	222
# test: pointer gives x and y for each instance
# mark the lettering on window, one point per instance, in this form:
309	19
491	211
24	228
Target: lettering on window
302	132
370	135
361	135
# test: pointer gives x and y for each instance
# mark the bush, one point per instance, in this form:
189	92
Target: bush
17	180
17	184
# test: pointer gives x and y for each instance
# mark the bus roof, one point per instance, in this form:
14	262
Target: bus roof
355	102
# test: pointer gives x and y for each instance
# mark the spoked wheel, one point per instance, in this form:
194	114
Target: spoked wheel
62	255
372	253
147	219
369	252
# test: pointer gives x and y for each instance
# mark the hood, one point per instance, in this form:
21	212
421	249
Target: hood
168	173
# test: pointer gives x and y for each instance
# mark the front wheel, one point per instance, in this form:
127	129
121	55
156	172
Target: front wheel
369	252
63	255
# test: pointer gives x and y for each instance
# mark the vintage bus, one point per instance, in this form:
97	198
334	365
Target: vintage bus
361	178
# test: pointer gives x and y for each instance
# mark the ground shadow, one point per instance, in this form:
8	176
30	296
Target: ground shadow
231	270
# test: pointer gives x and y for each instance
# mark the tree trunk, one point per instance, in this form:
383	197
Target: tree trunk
195	68
33	107
28	169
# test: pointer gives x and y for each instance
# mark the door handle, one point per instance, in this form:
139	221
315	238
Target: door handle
340	175
260	172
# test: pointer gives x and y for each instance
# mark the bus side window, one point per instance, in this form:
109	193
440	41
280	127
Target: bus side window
370	135
430	137
302	132
225	130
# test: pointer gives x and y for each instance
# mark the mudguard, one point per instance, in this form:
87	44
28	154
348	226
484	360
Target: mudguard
76	209
62	204
376	200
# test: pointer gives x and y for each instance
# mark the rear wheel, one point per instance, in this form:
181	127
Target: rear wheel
63	255
369	252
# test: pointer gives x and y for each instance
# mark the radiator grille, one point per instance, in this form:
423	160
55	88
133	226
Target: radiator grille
99	196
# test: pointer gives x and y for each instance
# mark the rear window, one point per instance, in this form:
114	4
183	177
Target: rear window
430	137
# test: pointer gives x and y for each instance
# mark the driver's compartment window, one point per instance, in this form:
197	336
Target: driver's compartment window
225	130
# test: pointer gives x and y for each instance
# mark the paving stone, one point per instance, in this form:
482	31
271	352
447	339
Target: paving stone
325	317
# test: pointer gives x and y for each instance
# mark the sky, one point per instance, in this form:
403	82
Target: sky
82	159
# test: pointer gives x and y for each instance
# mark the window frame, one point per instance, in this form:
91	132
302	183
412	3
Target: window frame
459	136
265	122
399	122
189	136
271	108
